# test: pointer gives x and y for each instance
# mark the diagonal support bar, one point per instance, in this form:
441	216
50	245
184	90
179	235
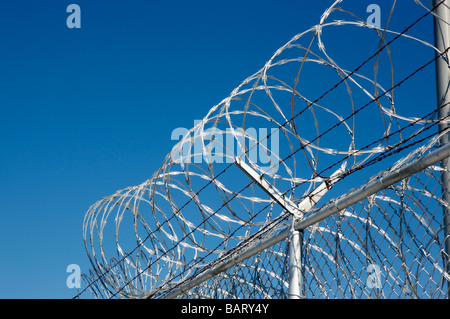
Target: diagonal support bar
271	190
295	210
308	203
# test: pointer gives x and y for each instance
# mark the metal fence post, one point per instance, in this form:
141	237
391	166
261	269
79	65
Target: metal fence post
295	264
442	41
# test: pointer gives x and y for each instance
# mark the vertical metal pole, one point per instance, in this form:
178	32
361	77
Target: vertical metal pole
297	211
295	264
442	41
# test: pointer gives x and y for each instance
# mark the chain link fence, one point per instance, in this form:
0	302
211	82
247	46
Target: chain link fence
390	245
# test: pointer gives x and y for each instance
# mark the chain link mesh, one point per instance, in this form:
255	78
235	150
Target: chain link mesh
263	276
390	245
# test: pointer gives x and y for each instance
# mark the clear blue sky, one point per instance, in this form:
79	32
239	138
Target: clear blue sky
85	112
